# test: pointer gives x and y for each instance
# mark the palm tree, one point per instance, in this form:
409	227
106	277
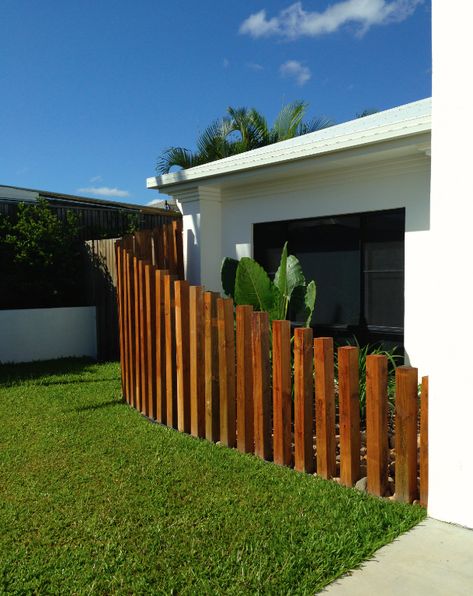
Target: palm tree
241	130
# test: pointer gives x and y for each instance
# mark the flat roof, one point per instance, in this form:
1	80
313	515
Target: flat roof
403	121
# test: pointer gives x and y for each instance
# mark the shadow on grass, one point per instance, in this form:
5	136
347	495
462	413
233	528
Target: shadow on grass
11	374
99	406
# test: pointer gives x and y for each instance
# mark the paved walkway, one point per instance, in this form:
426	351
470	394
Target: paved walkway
434	559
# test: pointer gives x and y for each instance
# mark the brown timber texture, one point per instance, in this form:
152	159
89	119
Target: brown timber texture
190	360
282	387
244	356
377	423
349	414
325	407
261	386
406	434
303	401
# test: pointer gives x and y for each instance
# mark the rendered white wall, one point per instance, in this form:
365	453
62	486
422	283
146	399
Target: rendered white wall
394	184
450	304
47	333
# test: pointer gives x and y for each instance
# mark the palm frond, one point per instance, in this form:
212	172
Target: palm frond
176	156
317	123
288	121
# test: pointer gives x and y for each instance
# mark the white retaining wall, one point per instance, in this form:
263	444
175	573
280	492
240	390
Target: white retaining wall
47	333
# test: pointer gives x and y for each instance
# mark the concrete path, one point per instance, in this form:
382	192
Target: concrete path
434	559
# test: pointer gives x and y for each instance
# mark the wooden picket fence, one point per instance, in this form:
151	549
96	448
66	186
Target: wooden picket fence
194	362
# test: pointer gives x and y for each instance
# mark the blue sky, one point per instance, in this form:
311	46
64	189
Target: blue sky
92	91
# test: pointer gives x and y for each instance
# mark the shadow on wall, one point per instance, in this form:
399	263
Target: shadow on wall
101	292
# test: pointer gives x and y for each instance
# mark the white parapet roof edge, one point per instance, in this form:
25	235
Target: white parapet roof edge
403	121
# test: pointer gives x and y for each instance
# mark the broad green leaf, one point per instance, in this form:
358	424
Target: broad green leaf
288	277
228	275
280	282
253	285
309	300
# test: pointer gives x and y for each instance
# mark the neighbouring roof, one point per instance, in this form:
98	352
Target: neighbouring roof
15	194
403	121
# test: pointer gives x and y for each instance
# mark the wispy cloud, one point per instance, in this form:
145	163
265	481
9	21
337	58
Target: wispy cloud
255	66
104	191
294	22
295	70
226	63
95	179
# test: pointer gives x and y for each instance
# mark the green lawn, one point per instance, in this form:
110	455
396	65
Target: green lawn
94	499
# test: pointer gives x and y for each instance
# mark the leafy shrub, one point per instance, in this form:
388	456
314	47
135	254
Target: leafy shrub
248	283
41	262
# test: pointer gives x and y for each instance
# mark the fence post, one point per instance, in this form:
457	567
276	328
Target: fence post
160	343
137	351
349	414
131	328
282	385
197	362
212	403
143	340
424	442
120	302
226	352
406	434
303	401
325	408
377	423
261	384
245	435
150	292
170	346
178	248
181	292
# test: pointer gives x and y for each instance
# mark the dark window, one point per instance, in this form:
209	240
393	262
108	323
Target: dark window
357	262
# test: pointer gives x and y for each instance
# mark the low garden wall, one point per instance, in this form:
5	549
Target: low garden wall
47	333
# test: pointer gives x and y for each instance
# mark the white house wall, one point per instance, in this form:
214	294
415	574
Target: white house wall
403	183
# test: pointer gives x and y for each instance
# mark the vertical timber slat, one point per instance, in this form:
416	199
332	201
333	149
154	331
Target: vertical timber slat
212	402
349	414
424	442
197	361
406	434
261	385
226	354
303	401
160	343
170	346
245	423
150	289
181	293
325	407
282	392
377	423
136	298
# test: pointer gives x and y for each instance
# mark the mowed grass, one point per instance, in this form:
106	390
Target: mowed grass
94	499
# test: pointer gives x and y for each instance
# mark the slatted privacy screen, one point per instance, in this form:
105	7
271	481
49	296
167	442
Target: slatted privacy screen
194	362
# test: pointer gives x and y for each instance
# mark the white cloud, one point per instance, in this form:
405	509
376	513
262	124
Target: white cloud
95	179
294	21
294	69
226	63
255	66
104	191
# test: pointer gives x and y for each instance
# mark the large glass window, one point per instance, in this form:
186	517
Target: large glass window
357	262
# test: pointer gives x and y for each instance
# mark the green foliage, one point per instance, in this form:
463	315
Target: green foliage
96	500
42	262
393	359
228	275
248	283
243	129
